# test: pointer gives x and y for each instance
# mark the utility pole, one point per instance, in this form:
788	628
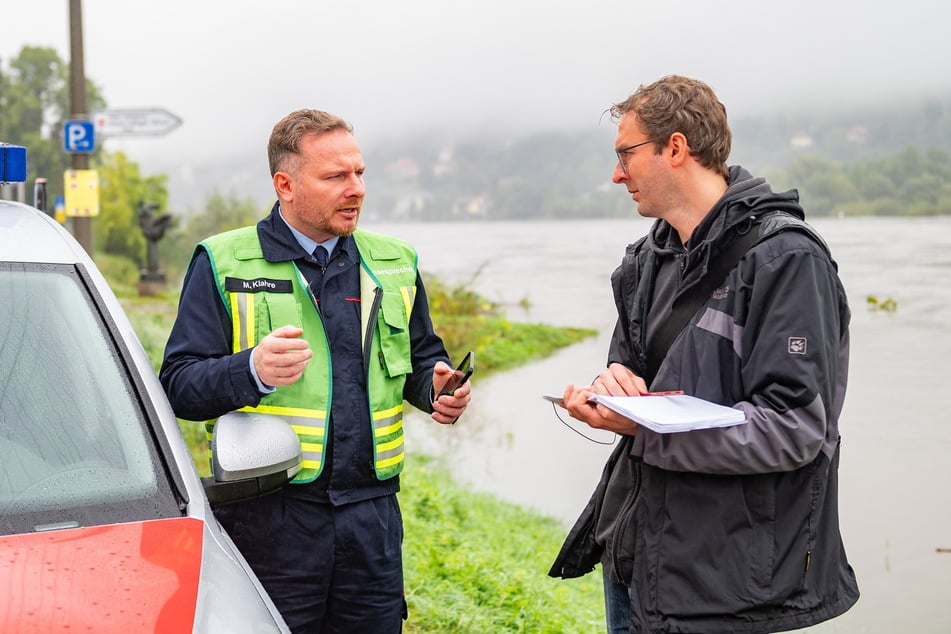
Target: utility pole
82	225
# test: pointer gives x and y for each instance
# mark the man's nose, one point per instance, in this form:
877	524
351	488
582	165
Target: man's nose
356	187
618	176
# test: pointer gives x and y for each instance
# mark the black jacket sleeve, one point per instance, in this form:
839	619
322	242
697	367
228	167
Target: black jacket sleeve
427	349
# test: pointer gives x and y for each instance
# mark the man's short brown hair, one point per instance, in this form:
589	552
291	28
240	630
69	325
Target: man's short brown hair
680	104
288	132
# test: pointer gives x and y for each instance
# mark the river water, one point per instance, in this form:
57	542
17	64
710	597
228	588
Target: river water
895	471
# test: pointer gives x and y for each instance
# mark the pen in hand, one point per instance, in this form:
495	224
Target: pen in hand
665	393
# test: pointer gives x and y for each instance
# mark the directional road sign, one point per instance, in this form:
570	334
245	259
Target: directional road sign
135	122
79	137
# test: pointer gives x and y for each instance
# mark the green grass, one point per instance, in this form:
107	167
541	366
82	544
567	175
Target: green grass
473	564
502	345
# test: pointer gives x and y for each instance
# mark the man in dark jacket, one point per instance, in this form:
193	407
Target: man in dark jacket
732	529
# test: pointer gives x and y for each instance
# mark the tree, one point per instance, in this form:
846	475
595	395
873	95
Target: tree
219	213
121	190
34	103
222	213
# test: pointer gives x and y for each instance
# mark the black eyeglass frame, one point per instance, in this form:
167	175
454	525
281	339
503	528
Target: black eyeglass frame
625	150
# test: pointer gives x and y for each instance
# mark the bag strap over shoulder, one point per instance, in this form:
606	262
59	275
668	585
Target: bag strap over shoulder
690	302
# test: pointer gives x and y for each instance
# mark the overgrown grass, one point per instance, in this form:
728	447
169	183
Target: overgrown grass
473	564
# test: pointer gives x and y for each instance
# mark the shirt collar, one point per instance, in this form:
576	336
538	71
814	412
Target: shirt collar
307	243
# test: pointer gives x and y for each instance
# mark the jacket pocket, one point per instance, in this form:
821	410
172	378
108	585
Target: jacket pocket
709	543
624	539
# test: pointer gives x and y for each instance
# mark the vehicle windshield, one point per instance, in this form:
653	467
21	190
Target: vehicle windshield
75	449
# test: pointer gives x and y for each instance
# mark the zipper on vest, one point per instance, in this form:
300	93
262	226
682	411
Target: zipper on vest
371	326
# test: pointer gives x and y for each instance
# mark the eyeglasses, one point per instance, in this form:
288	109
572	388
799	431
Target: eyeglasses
624	150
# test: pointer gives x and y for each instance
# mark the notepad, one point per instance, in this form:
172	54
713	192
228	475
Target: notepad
674	413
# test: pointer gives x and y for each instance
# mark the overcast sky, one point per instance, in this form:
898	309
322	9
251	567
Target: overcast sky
231	69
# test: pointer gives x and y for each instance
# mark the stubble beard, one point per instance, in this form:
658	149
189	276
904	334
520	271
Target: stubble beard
330	227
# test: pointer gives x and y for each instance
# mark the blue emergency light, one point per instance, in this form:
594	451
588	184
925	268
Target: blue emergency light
12	163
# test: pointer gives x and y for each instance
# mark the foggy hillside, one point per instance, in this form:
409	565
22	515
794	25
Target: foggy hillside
456	176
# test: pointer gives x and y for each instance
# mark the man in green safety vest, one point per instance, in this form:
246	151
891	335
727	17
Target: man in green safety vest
306	317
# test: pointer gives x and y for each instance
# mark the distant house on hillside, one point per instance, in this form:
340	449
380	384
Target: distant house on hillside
403	169
471	206
801	141
857	135
412	205
445	163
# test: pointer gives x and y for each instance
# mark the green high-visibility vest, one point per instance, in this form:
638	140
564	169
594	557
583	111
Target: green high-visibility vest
261	296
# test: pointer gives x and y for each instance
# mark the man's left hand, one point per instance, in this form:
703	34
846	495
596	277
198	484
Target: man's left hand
448	407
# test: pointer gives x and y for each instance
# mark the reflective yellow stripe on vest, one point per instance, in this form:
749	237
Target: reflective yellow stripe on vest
242	309
409	298
388	432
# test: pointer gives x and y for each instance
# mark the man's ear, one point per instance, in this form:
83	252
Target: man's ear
678	147
282	186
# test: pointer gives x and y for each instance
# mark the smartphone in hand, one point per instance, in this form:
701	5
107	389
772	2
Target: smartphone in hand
460	376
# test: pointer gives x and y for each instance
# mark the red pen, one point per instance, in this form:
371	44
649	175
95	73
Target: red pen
667	393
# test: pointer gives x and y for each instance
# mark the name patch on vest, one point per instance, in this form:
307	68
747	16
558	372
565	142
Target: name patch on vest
259	285
402	269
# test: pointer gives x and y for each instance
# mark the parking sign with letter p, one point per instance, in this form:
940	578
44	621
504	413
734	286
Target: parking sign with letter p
79	137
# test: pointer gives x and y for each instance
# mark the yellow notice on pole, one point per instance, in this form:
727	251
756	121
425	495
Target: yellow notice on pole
81	189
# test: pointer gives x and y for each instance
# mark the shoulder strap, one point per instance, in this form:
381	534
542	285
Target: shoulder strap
690	302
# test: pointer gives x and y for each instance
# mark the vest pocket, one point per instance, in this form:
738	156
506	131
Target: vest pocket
255	315
279	310
394	335
249	319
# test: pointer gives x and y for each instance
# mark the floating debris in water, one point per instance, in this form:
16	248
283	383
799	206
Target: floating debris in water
888	304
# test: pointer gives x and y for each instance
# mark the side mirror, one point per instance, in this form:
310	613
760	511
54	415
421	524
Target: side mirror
252	454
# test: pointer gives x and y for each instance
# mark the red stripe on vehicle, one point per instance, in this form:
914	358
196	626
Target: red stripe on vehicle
136	577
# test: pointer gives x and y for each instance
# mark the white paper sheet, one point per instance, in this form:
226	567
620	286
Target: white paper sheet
673	413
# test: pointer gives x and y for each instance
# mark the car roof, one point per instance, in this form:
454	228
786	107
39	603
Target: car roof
29	235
